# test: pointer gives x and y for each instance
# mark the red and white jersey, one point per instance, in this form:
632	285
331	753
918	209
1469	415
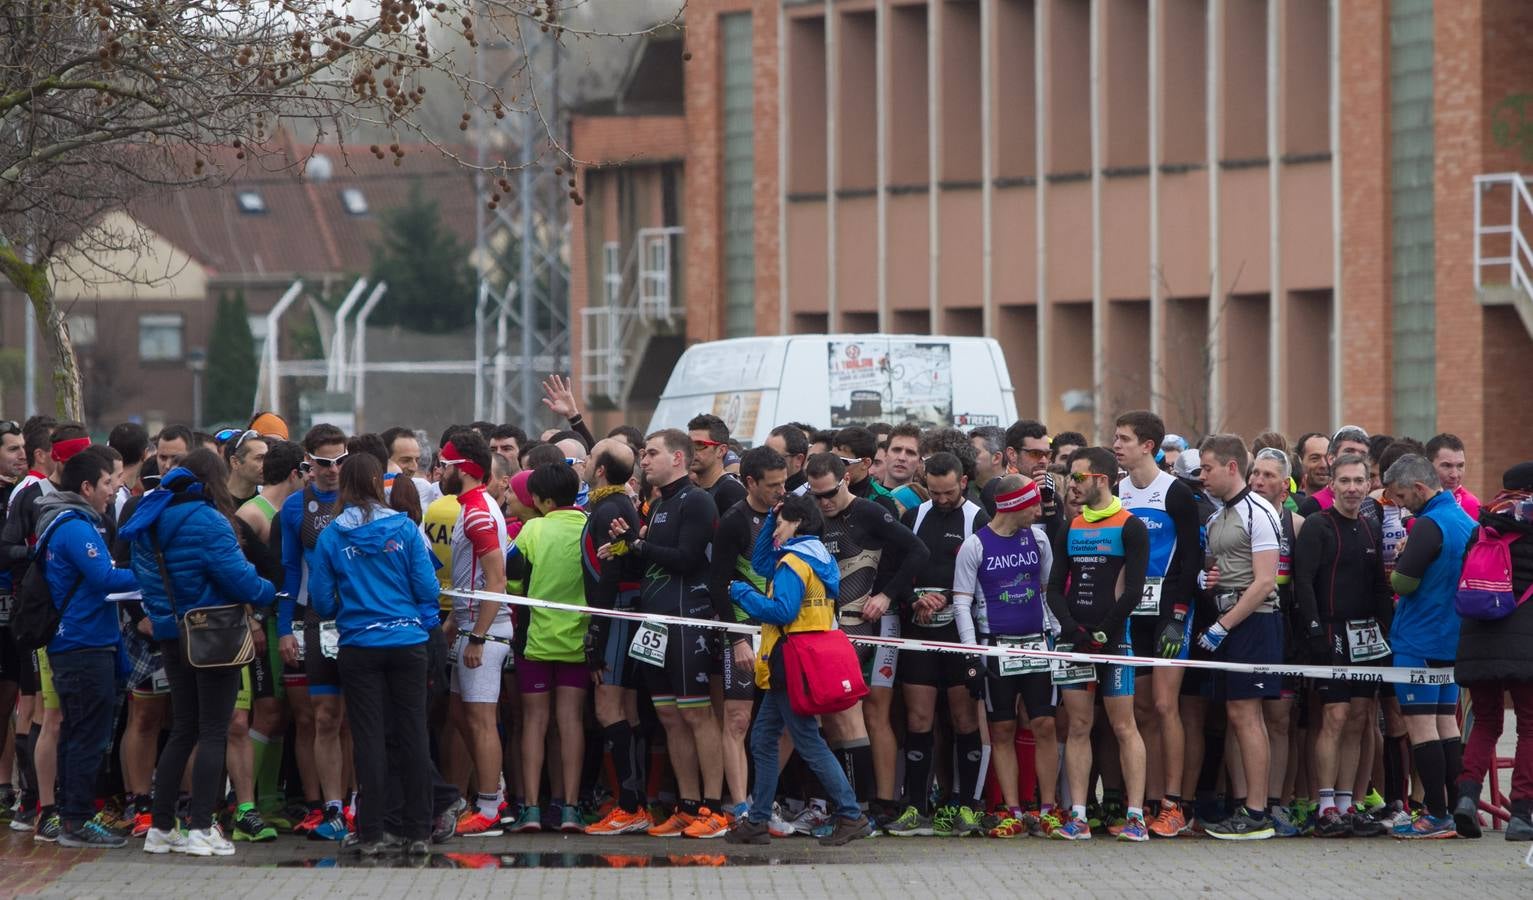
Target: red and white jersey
480	529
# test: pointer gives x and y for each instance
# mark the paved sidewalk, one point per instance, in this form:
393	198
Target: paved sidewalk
881	869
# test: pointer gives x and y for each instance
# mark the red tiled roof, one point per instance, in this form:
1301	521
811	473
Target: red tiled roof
306	228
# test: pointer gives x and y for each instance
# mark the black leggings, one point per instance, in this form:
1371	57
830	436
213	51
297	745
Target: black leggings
385	690
201	704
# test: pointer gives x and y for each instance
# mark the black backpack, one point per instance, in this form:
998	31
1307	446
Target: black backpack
34	619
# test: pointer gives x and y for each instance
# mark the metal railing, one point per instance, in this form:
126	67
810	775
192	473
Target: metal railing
1518	261
639	295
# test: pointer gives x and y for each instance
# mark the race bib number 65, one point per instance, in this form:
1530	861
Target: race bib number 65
648	644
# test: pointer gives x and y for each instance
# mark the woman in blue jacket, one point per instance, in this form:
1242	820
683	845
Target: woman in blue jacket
189	521
373	574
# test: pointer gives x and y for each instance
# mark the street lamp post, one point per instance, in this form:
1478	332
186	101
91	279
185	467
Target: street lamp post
197	362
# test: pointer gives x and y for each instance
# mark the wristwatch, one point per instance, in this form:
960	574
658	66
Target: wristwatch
477	639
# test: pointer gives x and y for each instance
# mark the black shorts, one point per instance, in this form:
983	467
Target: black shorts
1343	690
323	673
1039	697
930	667
739	684
620	669
1259	640
1143	636
685	679
10	657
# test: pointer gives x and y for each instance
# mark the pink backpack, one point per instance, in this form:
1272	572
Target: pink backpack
1485	587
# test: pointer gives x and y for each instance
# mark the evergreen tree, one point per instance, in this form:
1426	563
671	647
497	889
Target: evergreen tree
431	285
231	363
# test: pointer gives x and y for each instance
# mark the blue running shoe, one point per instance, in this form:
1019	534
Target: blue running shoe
333	828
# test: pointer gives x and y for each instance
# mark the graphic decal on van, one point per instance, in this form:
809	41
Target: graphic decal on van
739	410
890	381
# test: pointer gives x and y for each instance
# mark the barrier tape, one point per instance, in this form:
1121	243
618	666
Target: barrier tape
1376	674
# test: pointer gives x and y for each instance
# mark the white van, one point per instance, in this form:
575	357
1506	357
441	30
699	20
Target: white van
836	380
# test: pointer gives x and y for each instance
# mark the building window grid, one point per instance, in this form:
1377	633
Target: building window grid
160	337
739	166
1412	209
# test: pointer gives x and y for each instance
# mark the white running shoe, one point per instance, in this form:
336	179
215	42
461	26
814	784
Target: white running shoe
807	821
208	842
157	841
778	826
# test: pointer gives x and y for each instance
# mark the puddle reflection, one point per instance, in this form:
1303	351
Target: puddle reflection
526	860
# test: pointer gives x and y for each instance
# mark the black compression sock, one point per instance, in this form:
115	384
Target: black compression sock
27	781
918	769
970	752
1391	772
619	740
1432	765
858	761
1453	765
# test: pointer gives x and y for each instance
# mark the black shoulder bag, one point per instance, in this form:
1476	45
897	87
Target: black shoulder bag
212	637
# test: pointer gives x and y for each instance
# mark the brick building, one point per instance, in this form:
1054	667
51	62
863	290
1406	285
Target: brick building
1247	214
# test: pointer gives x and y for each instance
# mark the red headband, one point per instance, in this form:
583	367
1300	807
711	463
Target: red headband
451	457
1019	499
63	450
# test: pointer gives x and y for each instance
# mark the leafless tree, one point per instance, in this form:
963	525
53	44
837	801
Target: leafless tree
103	100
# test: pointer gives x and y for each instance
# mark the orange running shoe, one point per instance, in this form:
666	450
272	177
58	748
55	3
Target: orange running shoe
1171	822
672	827
476	824
310	822
142	823
708	824
619	821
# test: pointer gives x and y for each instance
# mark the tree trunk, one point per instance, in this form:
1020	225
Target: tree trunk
31	278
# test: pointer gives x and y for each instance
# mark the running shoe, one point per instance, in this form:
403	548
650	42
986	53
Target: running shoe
1282	824
1008	826
8	801
1171	822
1333	824
288	817
1242	826
211	842
1134	829
1428	827
570	821
1372	801
1114	814
1073	830
113	822
48	830
311	820
945	821
92	836
1394	816
910	824
1047	823
807	821
737	811
445	826
672	827
528	822
967	823
778	826
24	819
158	842
1365	825
708	824
249	826
332	828
620	821
476	824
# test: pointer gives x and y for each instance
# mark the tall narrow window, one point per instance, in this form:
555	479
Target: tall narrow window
739	176
1415	269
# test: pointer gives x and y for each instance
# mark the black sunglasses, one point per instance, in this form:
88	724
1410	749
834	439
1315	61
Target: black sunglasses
826	495
9	427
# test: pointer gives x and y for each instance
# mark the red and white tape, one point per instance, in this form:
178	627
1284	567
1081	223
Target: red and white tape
1380	674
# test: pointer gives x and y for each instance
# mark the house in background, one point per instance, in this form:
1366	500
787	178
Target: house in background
256	233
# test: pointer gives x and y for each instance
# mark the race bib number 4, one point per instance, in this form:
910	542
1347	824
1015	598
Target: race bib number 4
1066	672
1149	598
1022	665
1365	640
648	644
